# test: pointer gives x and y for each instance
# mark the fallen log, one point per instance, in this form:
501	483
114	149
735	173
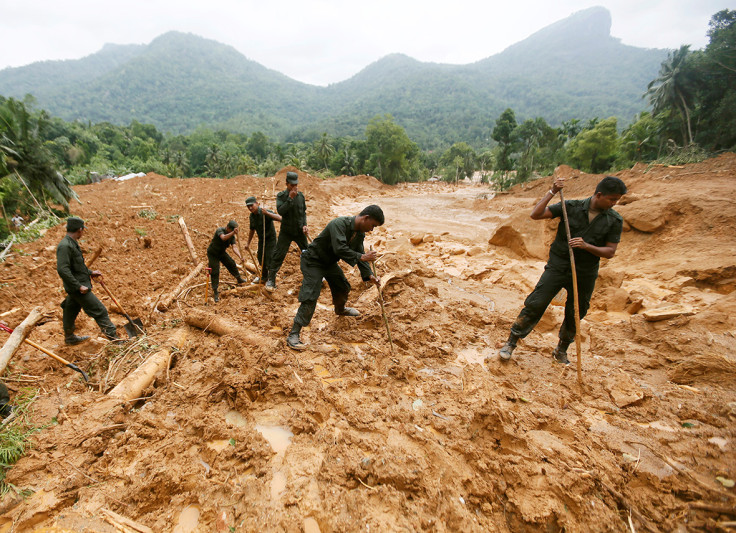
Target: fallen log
94	257
188	240
218	325
17	337
136	382
119	520
166	302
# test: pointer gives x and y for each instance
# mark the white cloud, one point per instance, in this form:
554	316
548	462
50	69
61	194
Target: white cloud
325	41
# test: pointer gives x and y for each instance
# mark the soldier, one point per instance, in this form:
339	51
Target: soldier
261	218
78	285
595	230
342	239
293	209
217	253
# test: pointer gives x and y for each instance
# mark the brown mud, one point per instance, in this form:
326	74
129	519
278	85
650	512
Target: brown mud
346	436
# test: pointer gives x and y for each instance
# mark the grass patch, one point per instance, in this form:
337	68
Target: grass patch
149	214
15	435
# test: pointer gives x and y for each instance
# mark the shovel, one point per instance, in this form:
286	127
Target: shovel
134	327
50	354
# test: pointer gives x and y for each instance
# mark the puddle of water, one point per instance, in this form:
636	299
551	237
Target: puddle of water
188	520
324	375
236	419
311	525
218	445
472	356
278	484
278	437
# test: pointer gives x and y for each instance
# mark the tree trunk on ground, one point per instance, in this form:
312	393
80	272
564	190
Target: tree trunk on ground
137	381
16	338
166	302
188	239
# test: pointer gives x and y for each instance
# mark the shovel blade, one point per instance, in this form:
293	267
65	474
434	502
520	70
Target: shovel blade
135	328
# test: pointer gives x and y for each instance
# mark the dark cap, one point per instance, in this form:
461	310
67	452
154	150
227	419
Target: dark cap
292	178
251	200
232	224
73	224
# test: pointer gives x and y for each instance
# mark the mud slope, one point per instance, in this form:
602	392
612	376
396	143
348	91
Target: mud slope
238	433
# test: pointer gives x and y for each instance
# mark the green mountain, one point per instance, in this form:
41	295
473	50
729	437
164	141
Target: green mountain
570	69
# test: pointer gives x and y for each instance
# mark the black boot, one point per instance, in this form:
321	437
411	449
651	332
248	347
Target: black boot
560	353
215	296
71	339
293	340
508	348
347	311
240	280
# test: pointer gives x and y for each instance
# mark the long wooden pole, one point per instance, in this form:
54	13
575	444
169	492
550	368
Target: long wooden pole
574	291
188	239
383	309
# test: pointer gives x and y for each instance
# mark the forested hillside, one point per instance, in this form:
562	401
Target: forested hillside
573	68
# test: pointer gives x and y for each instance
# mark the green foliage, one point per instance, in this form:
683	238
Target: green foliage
393	154
503	134
14	437
149	214
24	156
594	150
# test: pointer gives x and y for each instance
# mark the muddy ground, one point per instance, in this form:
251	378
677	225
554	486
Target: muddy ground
244	435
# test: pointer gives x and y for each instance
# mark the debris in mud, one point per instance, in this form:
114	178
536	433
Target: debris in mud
230	430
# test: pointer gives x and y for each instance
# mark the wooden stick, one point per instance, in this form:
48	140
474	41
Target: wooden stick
720	509
94	257
127	521
18	336
206	283
574	291
240	251
173	295
383	309
188	239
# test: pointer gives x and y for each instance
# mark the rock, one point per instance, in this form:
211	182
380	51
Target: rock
623	390
608	277
475	250
401	245
665	313
643	216
416	239
524	236
617	299
635	306
428	238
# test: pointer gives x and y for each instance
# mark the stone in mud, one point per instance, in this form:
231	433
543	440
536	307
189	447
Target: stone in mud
623	390
665	313
416	239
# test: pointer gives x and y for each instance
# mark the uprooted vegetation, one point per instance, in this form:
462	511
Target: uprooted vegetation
234	432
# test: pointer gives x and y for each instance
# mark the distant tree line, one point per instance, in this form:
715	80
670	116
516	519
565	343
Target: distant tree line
693	102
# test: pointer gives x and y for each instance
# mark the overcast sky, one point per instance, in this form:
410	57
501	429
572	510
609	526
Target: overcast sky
326	41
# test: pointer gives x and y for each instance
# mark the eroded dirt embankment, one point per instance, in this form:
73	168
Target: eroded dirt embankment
243	436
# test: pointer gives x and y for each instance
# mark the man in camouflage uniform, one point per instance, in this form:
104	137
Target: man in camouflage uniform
342	239
292	207
261	222
595	231
77	279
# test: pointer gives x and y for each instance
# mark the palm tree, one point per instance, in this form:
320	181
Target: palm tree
325	149
673	88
